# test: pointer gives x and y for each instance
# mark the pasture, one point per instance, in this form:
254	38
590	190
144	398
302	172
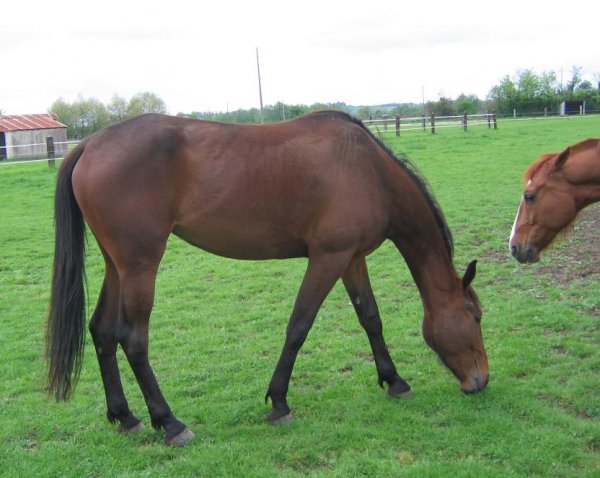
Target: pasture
218	326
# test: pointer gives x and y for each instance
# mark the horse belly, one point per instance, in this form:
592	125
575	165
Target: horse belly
243	242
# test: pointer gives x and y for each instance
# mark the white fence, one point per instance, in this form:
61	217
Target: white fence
398	124
27	153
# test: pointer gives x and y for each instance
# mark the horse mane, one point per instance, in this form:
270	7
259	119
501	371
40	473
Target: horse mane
558	159
537	165
412	172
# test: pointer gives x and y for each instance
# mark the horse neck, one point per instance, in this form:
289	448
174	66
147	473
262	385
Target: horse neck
415	232
431	268
584	174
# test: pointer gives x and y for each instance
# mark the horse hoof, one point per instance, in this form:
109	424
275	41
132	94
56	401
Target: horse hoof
181	439
287	418
399	394
134	430
399	390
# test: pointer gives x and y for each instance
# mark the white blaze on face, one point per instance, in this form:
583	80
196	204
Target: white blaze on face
514	228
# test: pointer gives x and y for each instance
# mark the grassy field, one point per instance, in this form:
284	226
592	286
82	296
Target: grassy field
218	326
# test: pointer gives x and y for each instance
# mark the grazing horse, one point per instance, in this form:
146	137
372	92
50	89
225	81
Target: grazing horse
320	186
558	186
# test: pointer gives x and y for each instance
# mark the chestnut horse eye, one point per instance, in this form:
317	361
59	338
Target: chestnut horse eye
528	197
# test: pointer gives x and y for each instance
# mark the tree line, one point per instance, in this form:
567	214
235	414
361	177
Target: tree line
85	116
531	93
526	91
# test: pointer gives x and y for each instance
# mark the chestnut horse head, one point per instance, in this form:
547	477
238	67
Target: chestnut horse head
557	187
455	335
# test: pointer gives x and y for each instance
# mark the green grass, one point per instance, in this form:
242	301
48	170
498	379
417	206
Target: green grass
218	326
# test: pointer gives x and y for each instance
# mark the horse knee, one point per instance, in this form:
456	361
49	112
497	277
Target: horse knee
372	325
296	335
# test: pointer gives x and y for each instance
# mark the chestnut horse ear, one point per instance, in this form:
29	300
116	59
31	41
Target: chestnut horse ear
469	274
562	157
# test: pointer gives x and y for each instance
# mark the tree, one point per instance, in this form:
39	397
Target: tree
548	88
90	115
527	92
443	107
85	116
117	108
574	81
468	104
64	113
503	97
528	85
143	103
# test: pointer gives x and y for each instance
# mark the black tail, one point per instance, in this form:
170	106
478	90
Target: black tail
65	333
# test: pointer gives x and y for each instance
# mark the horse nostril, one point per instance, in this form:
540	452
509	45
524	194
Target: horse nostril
513	251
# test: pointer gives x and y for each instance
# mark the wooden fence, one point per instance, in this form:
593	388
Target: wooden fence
432	122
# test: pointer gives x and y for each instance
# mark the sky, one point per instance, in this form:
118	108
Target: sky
201	56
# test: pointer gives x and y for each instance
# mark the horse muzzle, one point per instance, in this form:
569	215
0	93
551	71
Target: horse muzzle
525	255
474	383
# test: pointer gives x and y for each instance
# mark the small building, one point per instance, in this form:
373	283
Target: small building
24	136
572	107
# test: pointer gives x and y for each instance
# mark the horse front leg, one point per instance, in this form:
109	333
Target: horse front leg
321	275
358	286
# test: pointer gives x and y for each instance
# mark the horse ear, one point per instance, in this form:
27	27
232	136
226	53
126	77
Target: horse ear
562	157
469	274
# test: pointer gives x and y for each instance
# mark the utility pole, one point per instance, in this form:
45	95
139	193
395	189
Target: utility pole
259	87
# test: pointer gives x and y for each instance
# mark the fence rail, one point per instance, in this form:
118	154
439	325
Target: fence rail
431	122
34	152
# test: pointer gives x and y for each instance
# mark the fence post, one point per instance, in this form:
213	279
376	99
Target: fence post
398	126
489	120
432	123
494	119
423	121
514	112
465	121
545	111
50	150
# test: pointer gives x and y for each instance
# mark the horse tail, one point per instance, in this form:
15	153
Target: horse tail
65	332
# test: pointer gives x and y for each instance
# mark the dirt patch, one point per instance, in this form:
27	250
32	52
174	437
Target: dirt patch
576	256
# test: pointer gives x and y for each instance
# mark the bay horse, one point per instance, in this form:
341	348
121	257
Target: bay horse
321	186
558	187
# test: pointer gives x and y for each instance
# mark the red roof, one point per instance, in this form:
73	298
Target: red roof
24	122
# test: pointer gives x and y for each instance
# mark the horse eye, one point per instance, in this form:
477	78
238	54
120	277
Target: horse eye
528	197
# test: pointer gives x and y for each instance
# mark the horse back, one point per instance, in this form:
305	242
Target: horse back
247	191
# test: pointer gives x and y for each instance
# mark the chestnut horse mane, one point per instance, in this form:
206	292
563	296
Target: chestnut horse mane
558	159
412	172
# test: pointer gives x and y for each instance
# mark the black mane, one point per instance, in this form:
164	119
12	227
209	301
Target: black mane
416	176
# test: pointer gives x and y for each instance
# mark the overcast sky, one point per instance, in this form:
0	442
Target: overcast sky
201	56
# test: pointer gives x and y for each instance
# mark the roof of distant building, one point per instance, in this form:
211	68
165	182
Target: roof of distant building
29	122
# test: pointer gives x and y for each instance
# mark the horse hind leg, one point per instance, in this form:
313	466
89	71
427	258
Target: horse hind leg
103	328
136	300
358	286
